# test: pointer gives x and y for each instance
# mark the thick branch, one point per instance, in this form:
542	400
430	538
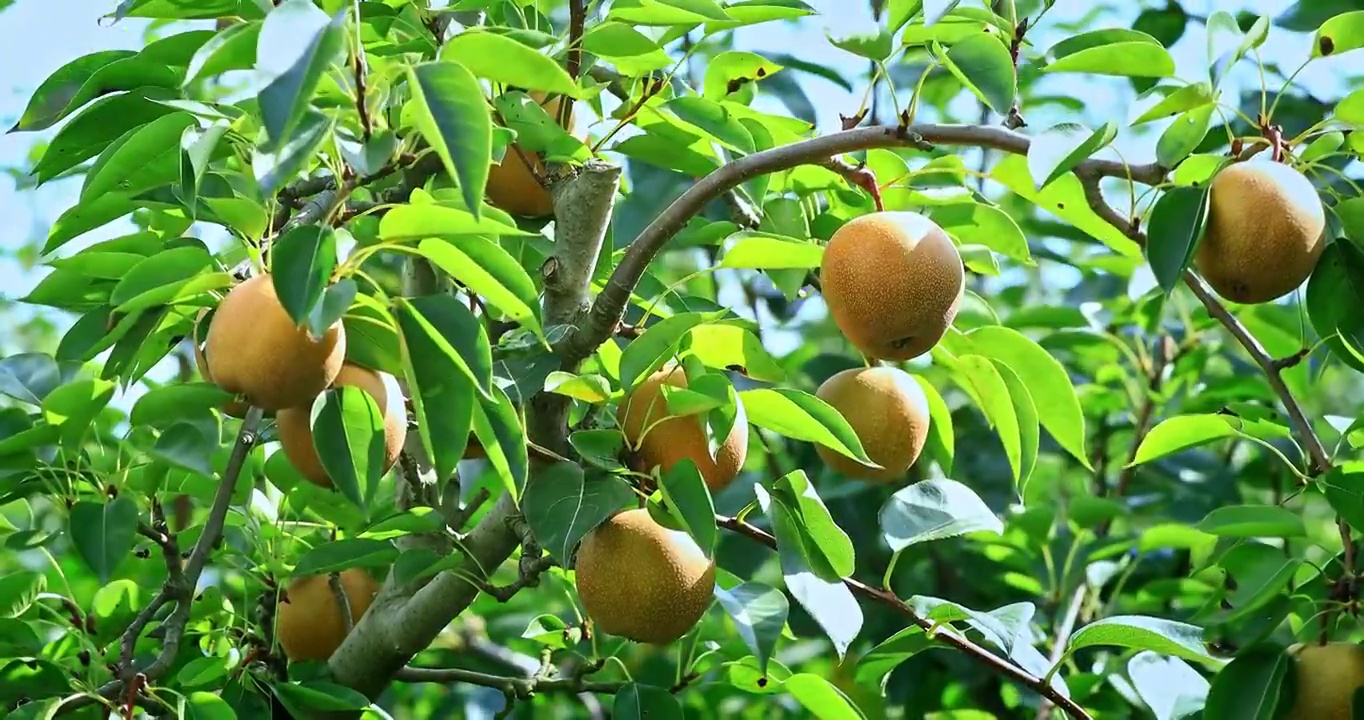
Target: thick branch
887	599
610	305
396	628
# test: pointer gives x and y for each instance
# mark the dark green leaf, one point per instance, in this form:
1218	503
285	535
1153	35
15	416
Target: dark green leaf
1173	233
1184	135
442	391
296	46
338	555
103	533
645	702
1244	521
1253	685
759	614
453	116
348	433
983	64
690	503
561	506
934	509
302	261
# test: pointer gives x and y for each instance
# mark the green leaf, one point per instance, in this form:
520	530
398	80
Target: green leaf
1167	637
1246	521
140	159
1335	291
1168	686
645	702
1059	148
799	415
1340	34
821	699
456	330
19	589
498	427
652	349
337	555
233	48
1064	198
348	433
98	126
74	406
203	671
763	251
1029	432
759	613
275	167
1181	433
161	278
29	377
561	506
1344	490
296	46
723	345
973	222
1251	686
875	43
874	668
203	705
631	51
1130	58
941	442
983	64
1184	135
828	601
489	271
302	262
301	697
1173	233
453	116
934	509
87	78
502	59
104	533
1189	97
188	446
418	222
690	503
441	388
733	72
988	388
827	539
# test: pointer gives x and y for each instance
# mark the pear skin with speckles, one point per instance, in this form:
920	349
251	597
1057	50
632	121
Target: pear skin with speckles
1328	676
663	441
310	626
1265	232
254	348
296	432
893	282
642	581
888	410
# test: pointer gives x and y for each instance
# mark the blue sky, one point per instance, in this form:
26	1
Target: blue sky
35	41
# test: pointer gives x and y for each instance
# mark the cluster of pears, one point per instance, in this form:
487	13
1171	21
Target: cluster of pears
893	282
255	350
1265	231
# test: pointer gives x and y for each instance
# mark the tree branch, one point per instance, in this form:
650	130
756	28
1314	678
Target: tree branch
520	688
179	586
610	304
1062	638
931	628
396	628
339	592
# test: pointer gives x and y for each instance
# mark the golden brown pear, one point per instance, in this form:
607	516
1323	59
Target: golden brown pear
1328	676
1265	232
310	625
255	348
234	408
512	184
888	410
295	429
893	283
668	441
642	581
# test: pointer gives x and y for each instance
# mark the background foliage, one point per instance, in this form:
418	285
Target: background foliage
1135	495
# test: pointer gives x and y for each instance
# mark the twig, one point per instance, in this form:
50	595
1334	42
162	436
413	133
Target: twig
1155	378
531	568
179	586
886	598
347	616
360	65
517	687
1062	638
611	303
859	175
